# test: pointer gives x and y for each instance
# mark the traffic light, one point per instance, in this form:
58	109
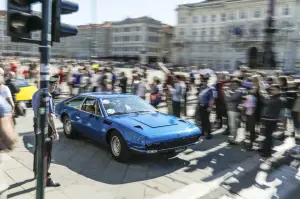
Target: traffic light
60	29
20	21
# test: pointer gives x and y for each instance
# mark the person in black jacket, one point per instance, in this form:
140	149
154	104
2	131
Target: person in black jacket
272	105
123	82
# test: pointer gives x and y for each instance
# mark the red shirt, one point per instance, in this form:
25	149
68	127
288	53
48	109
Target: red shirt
61	75
25	72
13	68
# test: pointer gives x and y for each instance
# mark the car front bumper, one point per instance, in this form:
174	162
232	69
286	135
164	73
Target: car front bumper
175	149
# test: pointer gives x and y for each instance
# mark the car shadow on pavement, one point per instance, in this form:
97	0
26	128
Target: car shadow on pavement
94	161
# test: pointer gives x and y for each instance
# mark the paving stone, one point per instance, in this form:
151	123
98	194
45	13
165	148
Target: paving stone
99	160
131	190
152	193
56	195
75	192
136	173
11	164
114	173
167	181
154	184
18	193
22	176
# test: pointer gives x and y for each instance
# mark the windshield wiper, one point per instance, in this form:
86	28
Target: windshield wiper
140	112
118	113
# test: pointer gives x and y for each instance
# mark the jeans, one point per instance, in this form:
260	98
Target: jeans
204	118
233	119
270	127
296	120
176	108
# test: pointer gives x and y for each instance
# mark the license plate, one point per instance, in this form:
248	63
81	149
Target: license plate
179	150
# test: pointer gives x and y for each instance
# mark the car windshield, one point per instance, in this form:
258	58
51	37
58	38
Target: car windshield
126	105
21	83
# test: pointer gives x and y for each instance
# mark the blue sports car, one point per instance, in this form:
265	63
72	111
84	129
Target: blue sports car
126	123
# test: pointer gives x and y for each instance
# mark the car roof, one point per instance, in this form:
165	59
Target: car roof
101	95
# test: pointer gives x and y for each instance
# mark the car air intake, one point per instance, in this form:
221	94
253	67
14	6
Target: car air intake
173	143
138	127
182	121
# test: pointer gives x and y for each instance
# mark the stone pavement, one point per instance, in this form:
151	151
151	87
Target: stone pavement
213	169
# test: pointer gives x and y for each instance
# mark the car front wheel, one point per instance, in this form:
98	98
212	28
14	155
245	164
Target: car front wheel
68	128
118	147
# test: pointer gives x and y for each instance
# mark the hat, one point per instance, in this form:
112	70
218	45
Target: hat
54	79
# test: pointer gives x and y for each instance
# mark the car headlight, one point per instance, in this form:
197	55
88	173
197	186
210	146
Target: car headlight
138	139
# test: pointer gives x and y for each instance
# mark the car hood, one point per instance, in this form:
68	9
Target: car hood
156	125
155	120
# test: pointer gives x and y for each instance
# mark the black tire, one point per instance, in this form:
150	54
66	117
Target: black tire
124	153
69	133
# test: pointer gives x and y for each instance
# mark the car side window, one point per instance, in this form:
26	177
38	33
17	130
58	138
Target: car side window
75	103
98	110
91	105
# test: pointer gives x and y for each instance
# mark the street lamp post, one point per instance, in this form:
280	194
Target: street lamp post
269	56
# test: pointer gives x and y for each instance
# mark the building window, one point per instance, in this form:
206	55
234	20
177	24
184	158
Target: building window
116	39
153	39
212	32
257	14
194	32
138	28
243	15
182	20
232	16
204	19
152	29
203	33
127	29
195	19
126	38
223	17
285	11
213	18
181	32
137	38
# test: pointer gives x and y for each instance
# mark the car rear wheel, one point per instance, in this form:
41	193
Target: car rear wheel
118	147
68	128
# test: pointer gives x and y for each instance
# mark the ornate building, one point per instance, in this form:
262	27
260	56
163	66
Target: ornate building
221	33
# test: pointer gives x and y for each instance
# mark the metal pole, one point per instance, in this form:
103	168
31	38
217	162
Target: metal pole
43	98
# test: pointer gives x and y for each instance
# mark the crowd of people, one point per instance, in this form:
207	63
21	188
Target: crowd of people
258	100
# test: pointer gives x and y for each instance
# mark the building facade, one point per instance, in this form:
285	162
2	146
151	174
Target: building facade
220	33
138	39
143	39
91	40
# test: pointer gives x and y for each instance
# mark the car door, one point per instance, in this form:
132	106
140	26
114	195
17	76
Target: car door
72	109
92	119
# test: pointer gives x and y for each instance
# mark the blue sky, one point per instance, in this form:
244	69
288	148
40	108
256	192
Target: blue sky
98	11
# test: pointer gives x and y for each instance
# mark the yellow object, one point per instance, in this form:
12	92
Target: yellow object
26	93
95	66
